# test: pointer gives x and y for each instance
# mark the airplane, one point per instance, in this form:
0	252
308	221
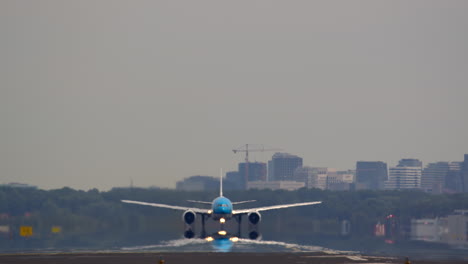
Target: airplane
221	210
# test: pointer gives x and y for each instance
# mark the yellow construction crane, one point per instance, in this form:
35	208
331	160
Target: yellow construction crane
251	148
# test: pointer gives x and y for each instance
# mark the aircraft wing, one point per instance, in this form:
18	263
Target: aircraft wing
273	207
201	202
174	207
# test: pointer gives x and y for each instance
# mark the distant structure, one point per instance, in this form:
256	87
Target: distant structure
309	175
19	185
318	177
282	166
410	163
428	229
371	175
340	180
406	175
324	178
453	180
433	177
302	174
198	183
457	224
275	185
404	178
249	148
464	174
445	177
451	230
256	171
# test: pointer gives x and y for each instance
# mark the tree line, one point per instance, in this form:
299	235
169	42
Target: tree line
99	219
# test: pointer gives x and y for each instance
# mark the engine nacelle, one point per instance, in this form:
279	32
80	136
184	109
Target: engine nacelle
254	217
189	217
254	235
189	233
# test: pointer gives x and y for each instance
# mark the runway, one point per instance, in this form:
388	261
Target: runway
204	258
221	251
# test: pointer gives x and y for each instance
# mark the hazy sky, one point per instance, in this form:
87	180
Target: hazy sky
93	93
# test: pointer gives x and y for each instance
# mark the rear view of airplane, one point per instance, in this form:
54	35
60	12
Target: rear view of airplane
221	210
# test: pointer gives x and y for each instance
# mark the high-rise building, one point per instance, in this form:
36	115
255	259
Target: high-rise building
270	171
453	180
324	178
282	166
464	174
318	178
410	163
312	177
256	171
340	180
433	177
371	175
303	174
404	178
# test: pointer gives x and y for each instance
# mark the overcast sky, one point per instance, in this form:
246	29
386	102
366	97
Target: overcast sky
94	93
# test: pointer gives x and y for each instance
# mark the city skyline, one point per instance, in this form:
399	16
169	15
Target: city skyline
404	162
94	94
287	172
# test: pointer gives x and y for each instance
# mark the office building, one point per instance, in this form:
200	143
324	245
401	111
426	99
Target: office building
433	177
282	166
312	177
319	179
324	178
254	171
453	180
429	230
304	174
371	175
406	175
339	180
451	230
410	163
458	228
464	174
404	178
275	185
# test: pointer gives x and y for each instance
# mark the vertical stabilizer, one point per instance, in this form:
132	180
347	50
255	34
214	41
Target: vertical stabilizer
221	184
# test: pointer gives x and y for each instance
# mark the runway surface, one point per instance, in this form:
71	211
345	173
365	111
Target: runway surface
223	251
204	258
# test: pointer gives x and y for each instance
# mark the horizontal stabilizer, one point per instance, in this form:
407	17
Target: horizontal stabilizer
242	202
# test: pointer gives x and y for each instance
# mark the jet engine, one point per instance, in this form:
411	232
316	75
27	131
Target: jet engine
189	217
254	217
254	235
189	233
